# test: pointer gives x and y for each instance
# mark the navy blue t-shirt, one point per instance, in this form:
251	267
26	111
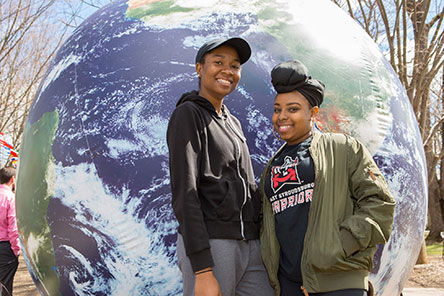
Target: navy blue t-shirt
289	187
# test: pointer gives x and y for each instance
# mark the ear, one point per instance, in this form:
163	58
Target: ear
314	111
198	69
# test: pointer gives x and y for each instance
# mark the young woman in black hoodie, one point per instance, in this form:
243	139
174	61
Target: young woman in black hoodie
214	194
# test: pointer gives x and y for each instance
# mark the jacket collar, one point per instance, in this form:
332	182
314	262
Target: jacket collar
194	97
316	137
4	186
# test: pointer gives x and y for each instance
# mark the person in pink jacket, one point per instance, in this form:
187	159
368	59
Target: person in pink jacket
9	238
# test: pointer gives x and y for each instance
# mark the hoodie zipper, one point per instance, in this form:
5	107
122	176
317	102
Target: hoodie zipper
240	176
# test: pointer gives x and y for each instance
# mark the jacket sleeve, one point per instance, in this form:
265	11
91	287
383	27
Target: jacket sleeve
371	222
12	228
184	144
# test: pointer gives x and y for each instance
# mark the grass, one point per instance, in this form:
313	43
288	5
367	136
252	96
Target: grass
434	249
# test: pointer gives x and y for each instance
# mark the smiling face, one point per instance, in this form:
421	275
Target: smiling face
292	117
219	74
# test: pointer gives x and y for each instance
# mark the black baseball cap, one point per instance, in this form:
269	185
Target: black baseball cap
240	45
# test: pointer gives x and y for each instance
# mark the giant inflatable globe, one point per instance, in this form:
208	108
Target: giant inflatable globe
93	192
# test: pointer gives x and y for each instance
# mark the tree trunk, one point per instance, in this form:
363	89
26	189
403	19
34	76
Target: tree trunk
422	258
441	167
435	213
436	191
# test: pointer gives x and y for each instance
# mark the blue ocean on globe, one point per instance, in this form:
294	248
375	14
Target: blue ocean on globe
93	192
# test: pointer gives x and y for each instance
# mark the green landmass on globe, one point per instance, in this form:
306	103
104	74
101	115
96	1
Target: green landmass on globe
35	185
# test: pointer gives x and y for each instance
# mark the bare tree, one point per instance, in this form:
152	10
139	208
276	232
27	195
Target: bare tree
436	202
73	10
21	63
413	33
31	31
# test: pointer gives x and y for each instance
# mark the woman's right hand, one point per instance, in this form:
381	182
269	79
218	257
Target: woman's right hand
206	284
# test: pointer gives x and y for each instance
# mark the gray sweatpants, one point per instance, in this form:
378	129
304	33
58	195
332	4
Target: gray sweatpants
238	268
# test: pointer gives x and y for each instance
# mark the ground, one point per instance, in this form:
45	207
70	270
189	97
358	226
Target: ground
23	284
430	275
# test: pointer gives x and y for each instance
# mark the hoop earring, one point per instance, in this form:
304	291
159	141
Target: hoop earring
274	134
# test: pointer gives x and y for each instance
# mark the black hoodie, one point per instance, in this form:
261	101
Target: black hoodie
214	194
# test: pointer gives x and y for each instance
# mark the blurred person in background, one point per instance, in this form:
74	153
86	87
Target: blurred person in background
9	238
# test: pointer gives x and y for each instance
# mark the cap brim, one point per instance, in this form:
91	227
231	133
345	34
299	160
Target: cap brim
240	45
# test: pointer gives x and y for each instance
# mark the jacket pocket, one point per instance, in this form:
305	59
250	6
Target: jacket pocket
329	253
349	244
228	209
251	210
331	257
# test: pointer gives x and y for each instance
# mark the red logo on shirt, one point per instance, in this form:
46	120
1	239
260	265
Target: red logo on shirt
285	174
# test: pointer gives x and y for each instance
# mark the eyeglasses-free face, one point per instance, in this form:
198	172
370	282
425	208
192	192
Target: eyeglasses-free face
293	117
219	74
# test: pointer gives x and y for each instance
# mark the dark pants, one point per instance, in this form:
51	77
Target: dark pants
8	267
290	288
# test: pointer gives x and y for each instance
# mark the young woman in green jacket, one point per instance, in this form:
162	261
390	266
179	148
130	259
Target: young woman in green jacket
325	203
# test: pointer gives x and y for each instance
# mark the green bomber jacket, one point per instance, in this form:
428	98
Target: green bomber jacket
350	213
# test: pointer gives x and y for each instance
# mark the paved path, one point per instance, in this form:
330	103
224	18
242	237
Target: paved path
23	283
423	292
24	286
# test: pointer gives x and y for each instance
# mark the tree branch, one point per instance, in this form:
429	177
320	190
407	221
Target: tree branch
433	130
